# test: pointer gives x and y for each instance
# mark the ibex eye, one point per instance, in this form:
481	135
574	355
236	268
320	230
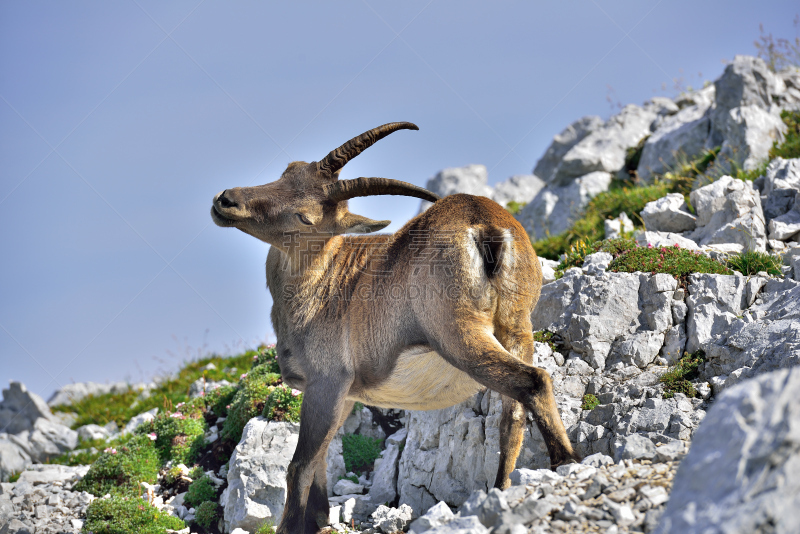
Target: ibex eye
303	219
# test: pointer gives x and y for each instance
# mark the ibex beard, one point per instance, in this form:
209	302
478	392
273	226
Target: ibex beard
420	319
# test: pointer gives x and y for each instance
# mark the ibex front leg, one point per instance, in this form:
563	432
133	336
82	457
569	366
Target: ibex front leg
323	405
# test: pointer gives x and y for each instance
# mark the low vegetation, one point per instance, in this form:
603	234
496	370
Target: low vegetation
515	207
120	469
578	252
119	515
200	491
545	336
206	514
176	436
676	261
623	196
677	378
753	262
590	402
360	452
248	402
121	407
790	148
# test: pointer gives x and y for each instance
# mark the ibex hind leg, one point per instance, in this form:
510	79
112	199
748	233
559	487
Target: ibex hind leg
512	421
476	352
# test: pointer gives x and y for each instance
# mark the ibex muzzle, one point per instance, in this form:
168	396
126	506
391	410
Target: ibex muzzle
420	319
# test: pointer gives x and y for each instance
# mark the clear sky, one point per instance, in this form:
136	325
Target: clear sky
119	121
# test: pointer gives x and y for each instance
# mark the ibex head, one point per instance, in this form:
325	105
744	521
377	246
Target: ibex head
309	197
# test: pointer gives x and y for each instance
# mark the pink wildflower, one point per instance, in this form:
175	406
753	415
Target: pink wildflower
179	404
176	415
152	436
255	358
296	392
227	406
111	450
649	245
676	245
244	375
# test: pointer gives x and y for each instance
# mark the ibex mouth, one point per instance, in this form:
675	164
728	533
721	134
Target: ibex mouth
219	219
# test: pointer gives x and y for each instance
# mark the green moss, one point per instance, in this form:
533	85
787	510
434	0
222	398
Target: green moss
357	407
753	262
590	402
790	148
177	437
676	261
545	336
127	516
677	378
249	400
121	407
14	476
514	207
360	452
283	404
200	491
206	514
120	469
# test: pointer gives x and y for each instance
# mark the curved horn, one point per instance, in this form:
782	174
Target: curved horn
364	187
338	158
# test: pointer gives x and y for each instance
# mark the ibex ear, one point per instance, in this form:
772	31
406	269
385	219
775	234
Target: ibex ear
356	224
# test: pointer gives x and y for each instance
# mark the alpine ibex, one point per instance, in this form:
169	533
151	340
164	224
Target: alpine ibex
420	319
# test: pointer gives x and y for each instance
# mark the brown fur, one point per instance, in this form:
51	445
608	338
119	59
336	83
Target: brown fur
419	319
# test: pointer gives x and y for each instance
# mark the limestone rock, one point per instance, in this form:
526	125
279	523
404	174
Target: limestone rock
749	133
20	409
470	179
72	393
556	207
547	167
668	214
729	211
347	487
439	514
13	458
384	480
138	420
638	447
519	188
764	339
257	474
786	227
390	520
663	239
615	227
604	149
715	301
681	135
750	442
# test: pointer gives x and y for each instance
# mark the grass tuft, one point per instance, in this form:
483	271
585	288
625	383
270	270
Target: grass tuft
677	378
178	437
753	262
514	207
360	452
283	404
249	400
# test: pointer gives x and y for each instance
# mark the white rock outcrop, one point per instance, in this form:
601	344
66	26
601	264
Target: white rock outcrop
729	212
750	441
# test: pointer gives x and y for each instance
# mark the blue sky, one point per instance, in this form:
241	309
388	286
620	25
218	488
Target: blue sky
120	120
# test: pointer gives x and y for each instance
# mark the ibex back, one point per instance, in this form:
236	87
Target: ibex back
420	319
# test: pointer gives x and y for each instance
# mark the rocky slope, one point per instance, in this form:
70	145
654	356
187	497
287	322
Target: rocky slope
679	391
